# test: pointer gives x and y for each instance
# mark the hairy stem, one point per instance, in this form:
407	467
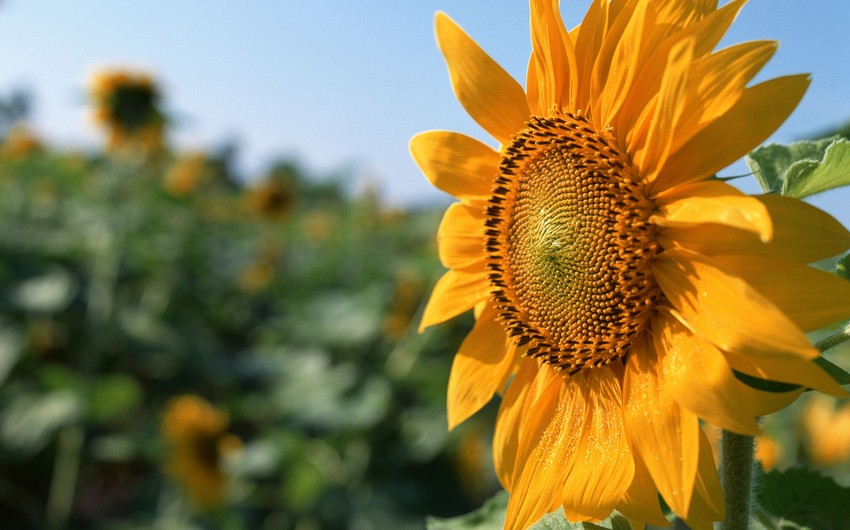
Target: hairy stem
736	475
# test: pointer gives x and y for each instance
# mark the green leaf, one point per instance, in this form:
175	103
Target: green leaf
802	498
808	177
843	267
769	163
803	168
491	516
114	396
30	420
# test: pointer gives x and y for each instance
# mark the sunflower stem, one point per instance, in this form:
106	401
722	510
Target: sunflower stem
736	475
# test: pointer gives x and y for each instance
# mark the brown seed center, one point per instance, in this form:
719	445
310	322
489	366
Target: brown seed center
570	245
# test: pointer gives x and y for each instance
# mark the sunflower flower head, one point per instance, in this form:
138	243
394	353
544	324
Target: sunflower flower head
198	442
616	284
127	104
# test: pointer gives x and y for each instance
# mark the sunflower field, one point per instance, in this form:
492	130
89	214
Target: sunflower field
178	350
186	348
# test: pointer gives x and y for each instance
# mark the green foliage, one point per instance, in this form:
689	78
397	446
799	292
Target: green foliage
491	516
802	168
123	292
801	498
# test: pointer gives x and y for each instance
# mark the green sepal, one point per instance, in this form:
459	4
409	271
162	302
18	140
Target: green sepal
766	385
802	168
835	371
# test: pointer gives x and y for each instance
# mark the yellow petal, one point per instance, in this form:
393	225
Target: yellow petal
812	298
725	309
454	293
713	201
669	106
478	367
489	94
547	447
705	32
620	14
707	504
460	240
719	80
699	377
457	164
603	467
801	233
786	370
756	114
553	56
632	46
512	412
588	41
659	428
640	502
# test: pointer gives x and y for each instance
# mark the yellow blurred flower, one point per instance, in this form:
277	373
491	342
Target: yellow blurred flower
768	452
826	422
615	282
260	273
198	440
271	198
409	288
185	174
127	105
20	141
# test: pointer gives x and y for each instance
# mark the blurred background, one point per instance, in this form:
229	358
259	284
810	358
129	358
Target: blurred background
214	251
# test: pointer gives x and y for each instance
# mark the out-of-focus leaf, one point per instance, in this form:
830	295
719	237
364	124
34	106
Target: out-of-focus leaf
49	293
491	516
260	458
30	420
114	395
801	498
318	392
802	168
11	346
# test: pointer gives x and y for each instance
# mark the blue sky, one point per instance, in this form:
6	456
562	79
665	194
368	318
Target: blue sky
342	84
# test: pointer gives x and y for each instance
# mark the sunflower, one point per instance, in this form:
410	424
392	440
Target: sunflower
616	283
198	442
127	104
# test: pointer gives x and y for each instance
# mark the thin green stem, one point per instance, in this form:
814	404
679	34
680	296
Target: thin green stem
61	497
736	475
834	340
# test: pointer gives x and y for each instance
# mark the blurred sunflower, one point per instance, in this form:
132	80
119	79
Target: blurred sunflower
198	441
826	423
185	174
128	105
20	141
615	282
272	198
